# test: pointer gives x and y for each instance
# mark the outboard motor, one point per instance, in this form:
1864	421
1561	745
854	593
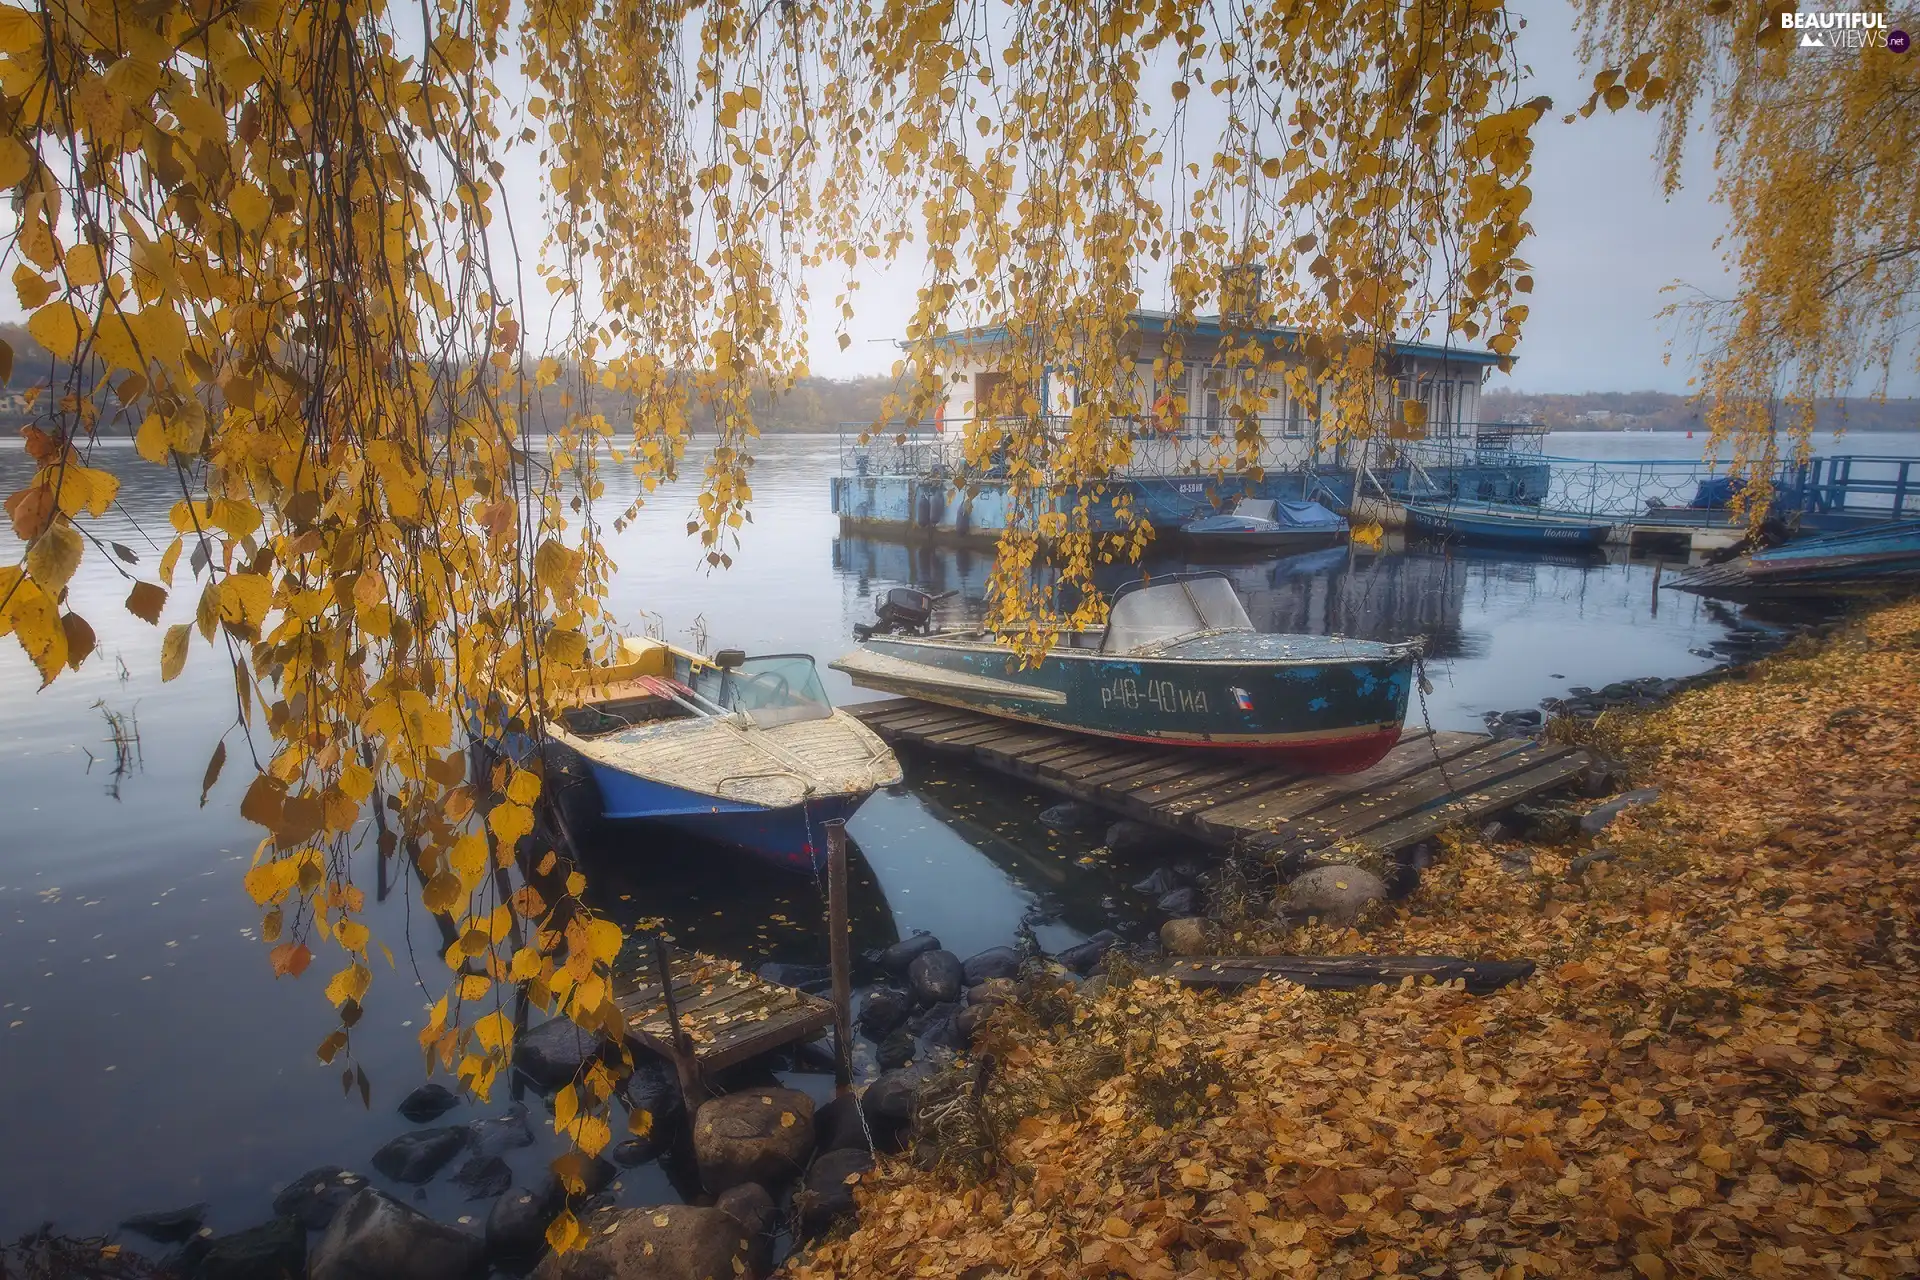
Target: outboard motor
902	609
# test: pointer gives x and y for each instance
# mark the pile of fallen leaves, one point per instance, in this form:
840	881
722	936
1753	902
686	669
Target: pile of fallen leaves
1713	1073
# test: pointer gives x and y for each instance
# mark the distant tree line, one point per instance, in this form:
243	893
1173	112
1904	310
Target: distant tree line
1663	411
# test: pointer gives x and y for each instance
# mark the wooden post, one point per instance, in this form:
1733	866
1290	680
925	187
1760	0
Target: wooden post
683	1062
1658	565
838	957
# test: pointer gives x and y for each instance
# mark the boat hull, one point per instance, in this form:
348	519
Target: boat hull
792	836
1333	713
1511	529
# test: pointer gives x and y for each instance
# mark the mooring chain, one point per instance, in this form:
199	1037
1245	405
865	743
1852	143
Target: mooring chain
1423	687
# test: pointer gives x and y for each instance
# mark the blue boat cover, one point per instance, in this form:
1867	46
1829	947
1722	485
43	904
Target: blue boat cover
1308	515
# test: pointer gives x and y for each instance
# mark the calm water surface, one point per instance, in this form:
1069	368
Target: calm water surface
150	1059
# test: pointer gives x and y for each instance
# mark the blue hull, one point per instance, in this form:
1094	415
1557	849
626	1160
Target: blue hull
793	837
1516	528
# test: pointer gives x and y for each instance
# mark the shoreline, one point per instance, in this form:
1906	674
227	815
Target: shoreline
1711	1070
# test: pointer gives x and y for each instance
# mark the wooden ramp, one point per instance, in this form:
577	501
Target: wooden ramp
728	1014
1427	782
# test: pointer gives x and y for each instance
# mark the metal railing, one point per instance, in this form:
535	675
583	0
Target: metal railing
1200	446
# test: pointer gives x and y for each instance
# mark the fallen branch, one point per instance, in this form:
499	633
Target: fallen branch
1349	973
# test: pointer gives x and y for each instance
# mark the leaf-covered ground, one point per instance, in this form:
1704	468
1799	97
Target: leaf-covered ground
1713	1073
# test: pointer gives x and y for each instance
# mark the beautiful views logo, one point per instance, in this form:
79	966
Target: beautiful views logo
1845	31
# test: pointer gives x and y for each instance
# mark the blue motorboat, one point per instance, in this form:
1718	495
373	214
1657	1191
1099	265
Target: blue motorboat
740	751
1507	525
1264	526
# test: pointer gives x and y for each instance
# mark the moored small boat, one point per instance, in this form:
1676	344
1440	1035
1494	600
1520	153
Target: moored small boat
741	751
1265	525
1177	663
1860	561
1491	522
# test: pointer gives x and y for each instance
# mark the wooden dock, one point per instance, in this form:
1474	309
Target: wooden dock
728	1014
1427	782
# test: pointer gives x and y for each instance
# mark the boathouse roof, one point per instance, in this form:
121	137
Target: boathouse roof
1211	327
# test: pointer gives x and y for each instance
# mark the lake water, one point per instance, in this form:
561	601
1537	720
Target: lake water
149	1058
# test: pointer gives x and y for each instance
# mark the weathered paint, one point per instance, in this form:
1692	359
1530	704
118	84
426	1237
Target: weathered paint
1335	705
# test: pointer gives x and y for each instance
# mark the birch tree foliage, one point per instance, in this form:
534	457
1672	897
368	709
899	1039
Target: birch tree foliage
266	242
1813	147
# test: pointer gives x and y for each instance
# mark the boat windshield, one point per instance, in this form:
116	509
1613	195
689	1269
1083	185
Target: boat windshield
777	689
1168	611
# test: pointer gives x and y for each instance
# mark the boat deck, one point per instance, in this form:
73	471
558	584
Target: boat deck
728	1014
1426	783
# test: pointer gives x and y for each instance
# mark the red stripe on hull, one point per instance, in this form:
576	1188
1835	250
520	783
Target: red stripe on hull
1327	755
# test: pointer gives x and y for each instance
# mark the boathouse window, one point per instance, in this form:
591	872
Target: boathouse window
1163	612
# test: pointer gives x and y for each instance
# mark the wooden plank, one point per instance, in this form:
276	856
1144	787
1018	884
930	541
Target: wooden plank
974	731
1263	812
1116	780
879	708
1024	740
1195	802
1470	808
932	719
1354	817
778	1031
1349	973
1147	801
1092	769
1070	744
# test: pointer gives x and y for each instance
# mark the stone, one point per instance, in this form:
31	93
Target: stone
1071	815
636	1151
927	1019
665	1242
750	1205
1495	832
654	1088
500	1133
943	1032
316	1195
1547	824
1095	987
429	1102
1192	936
517	1223
1081	958
762	1135
967	1021
1130	839
417	1156
553	1053
995	991
994	962
596	1174
887	1106
482	1177
814	1057
1597	820
837	1124
274	1251
896	1050
815	978
827	1193
885	1009
1336	894
1161	881
896	958
375	1237
936	976
1180	902
168	1226
1525	716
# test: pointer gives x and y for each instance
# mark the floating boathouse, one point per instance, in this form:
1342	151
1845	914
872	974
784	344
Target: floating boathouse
912	481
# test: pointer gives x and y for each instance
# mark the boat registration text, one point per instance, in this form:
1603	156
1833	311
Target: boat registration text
1162	695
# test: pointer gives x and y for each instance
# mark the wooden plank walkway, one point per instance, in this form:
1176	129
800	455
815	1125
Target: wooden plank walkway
730	1015
1427	782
